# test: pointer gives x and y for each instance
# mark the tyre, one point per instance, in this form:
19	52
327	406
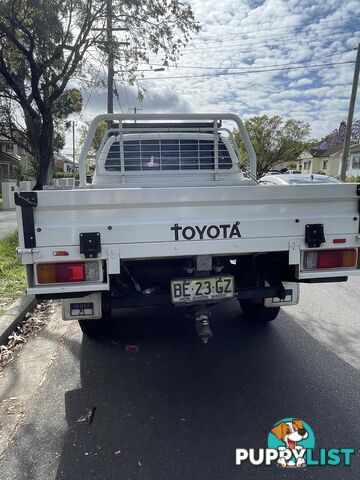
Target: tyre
94	328
255	312
97	328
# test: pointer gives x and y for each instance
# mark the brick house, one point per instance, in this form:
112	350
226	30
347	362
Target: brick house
63	163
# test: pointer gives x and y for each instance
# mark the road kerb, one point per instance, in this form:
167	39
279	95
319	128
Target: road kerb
14	315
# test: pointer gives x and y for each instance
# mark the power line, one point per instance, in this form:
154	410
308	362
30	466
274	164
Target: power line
233	68
116	93
94	85
86	104
351	19
286	34
88	99
253	46
268	44
134	96
253	50
127	96
126	92
219	74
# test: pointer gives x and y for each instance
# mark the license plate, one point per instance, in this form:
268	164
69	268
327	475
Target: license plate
200	289
81	309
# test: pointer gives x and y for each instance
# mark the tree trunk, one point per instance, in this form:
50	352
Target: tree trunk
44	148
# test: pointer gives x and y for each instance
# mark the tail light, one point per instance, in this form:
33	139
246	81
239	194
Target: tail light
69	272
339	258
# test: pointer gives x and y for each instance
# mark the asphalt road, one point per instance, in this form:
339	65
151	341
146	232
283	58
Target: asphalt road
178	409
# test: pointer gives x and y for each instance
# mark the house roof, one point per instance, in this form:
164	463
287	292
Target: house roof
325	152
6	157
355	147
4	139
63	158
60	156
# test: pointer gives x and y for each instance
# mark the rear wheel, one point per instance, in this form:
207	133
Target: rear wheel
256	312
93	328
97	328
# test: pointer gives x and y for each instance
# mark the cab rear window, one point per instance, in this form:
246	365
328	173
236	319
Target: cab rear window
167	154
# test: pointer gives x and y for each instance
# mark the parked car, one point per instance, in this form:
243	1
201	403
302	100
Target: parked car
291	172
297	179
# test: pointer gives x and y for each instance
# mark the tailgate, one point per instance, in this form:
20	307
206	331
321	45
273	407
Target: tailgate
181	221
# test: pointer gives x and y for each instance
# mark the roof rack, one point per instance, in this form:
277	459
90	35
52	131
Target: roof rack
198	122
204	127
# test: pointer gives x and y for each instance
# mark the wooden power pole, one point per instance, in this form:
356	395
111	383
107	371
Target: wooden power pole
345	154
110	47
74	151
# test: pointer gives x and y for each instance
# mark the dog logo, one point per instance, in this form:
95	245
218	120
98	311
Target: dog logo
291	437
291	444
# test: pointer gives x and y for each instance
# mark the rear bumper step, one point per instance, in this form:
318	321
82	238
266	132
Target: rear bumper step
158	299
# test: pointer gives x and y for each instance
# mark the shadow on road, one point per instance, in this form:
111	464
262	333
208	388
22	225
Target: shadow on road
178	409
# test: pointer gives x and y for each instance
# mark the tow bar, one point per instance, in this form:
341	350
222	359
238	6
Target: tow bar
202	325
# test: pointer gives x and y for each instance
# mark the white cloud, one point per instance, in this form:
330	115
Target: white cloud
256	34
301	82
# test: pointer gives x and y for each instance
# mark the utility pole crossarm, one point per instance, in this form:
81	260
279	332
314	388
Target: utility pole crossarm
135	110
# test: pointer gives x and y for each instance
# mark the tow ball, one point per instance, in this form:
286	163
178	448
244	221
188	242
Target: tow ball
202	326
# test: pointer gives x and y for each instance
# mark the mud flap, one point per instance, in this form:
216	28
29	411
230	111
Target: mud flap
292	297
84	308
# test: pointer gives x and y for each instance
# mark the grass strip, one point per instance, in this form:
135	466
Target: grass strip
12	272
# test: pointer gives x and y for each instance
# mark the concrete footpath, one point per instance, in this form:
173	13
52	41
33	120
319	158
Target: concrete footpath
7	222
20	380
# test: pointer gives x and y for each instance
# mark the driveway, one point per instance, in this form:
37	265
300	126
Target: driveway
7	222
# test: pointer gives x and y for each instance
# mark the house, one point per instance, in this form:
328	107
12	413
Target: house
11	155
329	161
321	160
63	163
353	167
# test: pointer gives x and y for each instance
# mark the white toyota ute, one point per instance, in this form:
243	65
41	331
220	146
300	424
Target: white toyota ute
170	218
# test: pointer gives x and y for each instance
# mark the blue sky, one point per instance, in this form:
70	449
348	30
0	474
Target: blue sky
269	37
